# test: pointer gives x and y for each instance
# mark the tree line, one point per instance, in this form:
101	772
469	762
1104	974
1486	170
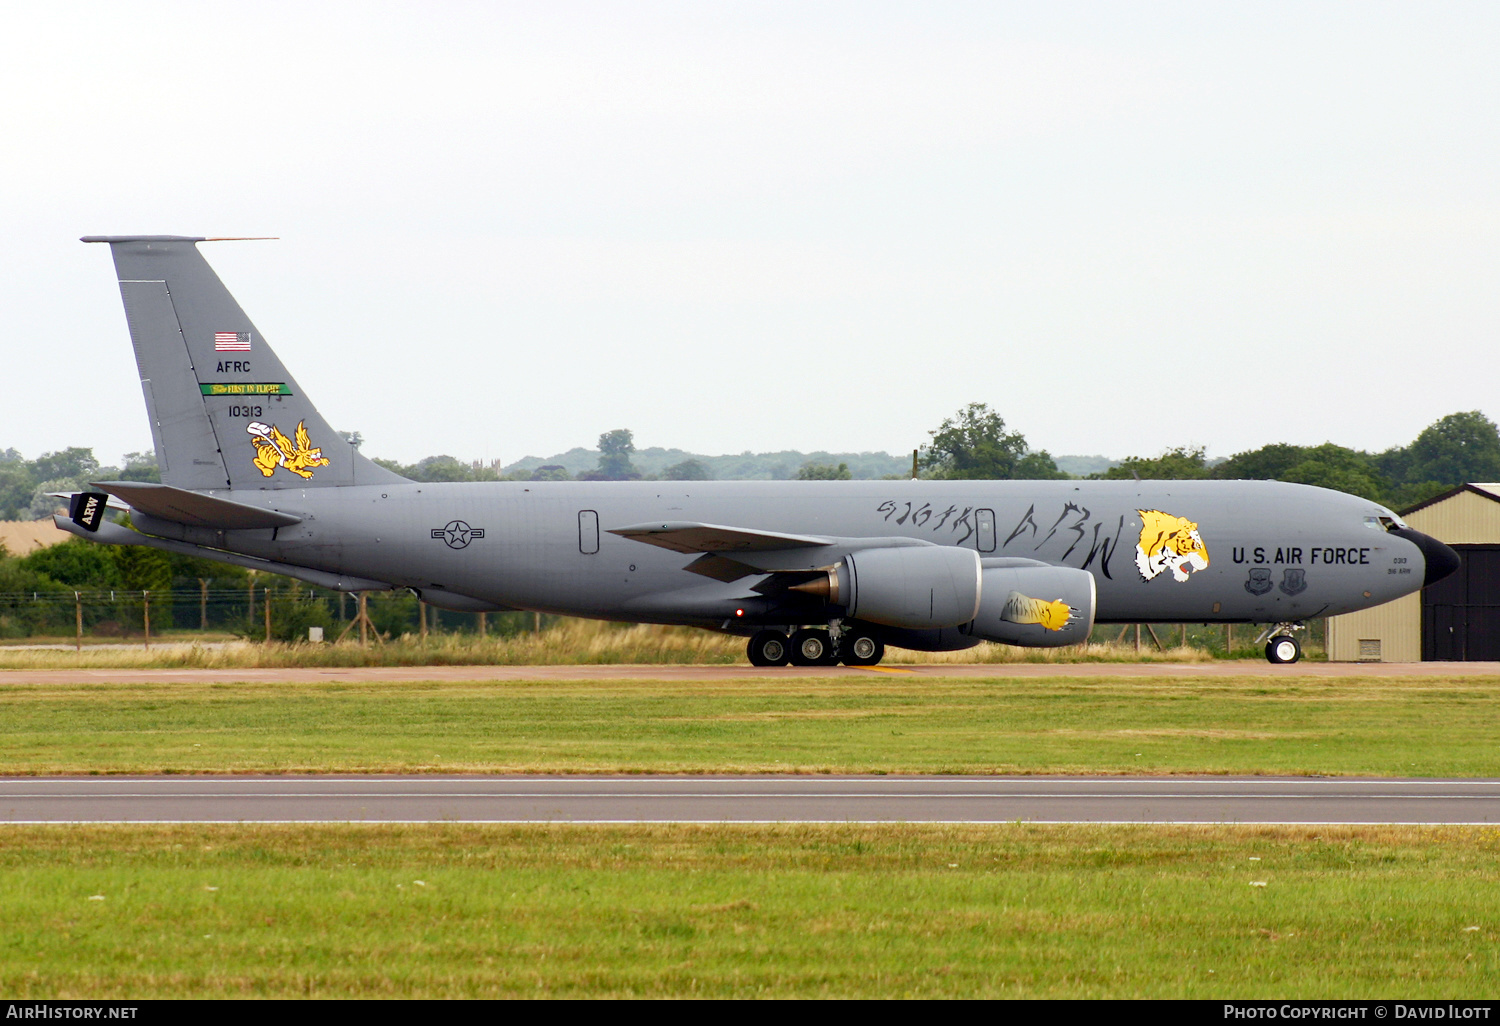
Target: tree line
973	444
617	459
25	484
1454	450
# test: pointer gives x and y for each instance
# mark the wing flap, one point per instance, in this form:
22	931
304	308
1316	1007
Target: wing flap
687	537
721	568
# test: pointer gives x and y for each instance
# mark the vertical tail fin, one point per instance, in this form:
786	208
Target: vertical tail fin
224	411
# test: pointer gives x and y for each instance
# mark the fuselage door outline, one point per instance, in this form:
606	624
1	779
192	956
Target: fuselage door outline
588	532
984	522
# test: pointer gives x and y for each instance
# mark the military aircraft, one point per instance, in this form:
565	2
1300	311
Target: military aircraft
812	573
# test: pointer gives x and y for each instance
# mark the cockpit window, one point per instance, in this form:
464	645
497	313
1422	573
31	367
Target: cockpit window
1383	523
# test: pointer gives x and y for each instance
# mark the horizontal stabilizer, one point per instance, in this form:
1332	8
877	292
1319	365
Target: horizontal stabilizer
113	534
194	508
113	503
689	537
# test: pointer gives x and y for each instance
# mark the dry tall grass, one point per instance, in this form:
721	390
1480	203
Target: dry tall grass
569	642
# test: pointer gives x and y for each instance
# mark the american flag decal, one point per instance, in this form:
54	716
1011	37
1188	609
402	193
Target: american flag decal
231	341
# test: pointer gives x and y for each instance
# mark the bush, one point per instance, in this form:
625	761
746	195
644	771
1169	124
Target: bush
292	613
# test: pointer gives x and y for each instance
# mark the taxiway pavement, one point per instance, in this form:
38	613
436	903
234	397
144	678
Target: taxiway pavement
746	799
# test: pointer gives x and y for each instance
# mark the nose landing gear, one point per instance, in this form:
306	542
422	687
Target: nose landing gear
1282	647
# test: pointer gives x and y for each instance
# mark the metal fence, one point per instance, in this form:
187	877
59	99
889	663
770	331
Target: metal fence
279	611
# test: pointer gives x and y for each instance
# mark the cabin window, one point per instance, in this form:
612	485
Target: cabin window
984	527
588	532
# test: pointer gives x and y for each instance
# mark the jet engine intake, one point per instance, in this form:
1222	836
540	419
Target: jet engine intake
920	587
1035	606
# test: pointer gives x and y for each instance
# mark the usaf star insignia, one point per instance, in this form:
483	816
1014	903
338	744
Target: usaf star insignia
457	534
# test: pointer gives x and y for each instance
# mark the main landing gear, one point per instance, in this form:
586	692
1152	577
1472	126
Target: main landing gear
769	648
813	646
1282	647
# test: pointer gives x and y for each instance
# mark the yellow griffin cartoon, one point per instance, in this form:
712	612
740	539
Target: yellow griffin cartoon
1169	543
1053	616
274	449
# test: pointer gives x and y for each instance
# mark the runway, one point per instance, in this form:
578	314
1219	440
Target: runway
754	799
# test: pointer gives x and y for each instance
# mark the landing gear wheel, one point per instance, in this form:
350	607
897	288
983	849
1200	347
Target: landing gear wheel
768	648
812	647
861	649
1283	649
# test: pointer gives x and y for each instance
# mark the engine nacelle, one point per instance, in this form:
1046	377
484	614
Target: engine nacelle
1035	606
939	639
918	587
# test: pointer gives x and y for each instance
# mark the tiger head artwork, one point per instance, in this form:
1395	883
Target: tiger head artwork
1169	543
274	449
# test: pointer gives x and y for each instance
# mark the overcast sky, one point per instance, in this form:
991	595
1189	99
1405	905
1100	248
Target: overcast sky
507	227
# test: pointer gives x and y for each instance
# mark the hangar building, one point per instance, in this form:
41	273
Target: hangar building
1458	618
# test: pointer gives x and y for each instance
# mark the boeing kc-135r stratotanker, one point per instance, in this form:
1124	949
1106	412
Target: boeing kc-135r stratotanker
813	573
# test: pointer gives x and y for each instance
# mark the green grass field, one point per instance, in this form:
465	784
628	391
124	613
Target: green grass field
1010	910
748	911
870	724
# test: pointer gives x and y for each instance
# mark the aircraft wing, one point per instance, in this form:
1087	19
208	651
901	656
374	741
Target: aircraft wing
753	551
681	536
194	508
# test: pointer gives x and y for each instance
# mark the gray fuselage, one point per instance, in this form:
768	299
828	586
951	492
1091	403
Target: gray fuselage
1274	552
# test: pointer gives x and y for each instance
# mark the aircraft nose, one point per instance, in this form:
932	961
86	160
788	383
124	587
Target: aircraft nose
1441	560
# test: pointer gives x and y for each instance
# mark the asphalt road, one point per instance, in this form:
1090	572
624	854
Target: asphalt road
637	799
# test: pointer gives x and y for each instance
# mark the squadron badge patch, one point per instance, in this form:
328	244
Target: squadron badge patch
1259	582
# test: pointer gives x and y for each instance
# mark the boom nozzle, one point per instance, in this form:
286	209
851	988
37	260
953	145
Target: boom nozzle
825	587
